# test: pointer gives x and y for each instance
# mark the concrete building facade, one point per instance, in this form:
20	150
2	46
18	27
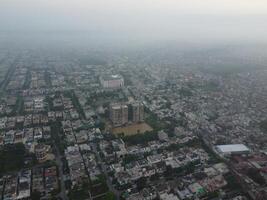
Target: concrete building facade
119	114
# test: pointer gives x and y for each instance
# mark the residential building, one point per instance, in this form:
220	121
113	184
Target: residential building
119	114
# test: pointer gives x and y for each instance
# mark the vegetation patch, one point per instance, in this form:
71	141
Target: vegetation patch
12	158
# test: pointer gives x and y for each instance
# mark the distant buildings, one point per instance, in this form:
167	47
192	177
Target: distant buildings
112	81
119	114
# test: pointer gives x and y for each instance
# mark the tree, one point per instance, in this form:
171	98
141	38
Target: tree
12	157
36	195
141	183
255	175
129	158
110	196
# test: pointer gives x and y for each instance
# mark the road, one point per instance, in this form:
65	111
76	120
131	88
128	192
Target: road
104	170
63	193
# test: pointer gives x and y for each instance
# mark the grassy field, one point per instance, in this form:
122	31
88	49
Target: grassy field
132	129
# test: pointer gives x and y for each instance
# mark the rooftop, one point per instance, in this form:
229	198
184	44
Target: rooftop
112	77
232	148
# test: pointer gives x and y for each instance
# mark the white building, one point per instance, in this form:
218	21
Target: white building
112	81
232	149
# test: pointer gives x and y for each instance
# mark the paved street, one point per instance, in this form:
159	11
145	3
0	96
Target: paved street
104	170
63	193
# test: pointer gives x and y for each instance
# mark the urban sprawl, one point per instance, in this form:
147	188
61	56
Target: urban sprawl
77	129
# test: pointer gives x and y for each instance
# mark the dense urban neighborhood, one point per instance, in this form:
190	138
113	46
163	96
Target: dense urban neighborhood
125	127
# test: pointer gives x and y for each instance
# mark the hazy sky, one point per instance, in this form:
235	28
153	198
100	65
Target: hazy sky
140	19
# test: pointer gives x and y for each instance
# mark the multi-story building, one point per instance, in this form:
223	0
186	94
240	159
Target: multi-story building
112	81
137	112
41	152
119	114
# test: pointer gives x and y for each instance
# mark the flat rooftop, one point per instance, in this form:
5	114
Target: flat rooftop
118	106
232	148
112	77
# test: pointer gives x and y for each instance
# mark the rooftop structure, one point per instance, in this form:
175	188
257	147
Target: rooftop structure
232	149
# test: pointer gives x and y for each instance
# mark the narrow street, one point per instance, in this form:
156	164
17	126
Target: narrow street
63	193
104	170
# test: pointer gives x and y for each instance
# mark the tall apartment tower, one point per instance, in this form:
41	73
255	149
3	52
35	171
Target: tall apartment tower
119	114
137	112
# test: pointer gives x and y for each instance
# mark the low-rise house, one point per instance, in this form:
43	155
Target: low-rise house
51	116
38	133
35	119
20	119
51	180
29	135
38	180
81	136
24	184
2	136
163	136
170	196
184	194
44	119
153	159
46	132
197	189
10	190
76	165
19	137
9	137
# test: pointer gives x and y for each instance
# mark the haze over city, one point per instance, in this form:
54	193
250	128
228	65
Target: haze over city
133	100
139	21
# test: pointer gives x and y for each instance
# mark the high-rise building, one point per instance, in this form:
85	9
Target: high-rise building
119	114
137	112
